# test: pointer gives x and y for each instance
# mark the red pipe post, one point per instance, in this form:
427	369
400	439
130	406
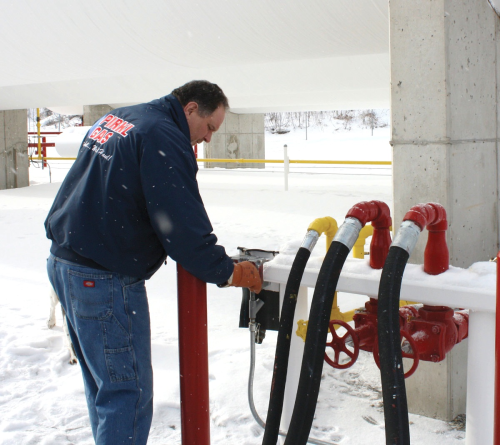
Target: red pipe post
379	214
193	358
436	254
496	420
44	150
432	216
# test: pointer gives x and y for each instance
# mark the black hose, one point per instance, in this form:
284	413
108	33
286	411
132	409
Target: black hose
314	350
397	430
283	347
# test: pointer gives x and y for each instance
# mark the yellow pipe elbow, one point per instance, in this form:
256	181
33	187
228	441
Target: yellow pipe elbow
326	225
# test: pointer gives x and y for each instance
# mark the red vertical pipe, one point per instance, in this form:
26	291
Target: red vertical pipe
44	150
496	421
379	213
193	358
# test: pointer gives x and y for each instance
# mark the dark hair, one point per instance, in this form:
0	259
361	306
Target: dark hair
207	95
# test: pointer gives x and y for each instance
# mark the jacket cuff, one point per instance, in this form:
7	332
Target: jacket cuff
227	283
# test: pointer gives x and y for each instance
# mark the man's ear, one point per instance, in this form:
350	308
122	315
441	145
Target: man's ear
190	107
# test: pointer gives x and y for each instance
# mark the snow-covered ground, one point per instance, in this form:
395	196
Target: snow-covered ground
41	396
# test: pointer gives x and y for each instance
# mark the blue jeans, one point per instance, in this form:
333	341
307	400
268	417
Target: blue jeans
108	321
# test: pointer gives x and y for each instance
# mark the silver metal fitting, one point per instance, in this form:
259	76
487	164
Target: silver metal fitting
407	236
310	240
254	307
348	232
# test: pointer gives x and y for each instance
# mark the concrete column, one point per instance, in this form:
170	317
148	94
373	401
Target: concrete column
444	119
444	136
240	136
14	162
93	112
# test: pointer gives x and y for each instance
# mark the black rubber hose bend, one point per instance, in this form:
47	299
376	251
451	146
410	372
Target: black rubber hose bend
283	347
314	350
397	430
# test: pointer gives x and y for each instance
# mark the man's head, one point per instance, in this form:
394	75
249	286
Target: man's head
205	107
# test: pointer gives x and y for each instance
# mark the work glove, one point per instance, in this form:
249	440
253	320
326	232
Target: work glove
246	274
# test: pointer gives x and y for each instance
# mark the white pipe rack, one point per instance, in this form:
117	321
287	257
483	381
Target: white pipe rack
456	288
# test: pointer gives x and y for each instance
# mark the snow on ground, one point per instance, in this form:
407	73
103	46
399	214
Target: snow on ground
41	396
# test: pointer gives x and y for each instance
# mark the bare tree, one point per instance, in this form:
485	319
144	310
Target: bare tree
277	122
48	119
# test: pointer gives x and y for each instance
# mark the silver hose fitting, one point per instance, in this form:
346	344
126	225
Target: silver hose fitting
310	240
407	236
348	232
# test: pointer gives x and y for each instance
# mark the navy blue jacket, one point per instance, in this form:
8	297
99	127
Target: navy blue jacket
131	198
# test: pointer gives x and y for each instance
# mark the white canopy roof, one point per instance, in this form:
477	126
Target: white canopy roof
266	55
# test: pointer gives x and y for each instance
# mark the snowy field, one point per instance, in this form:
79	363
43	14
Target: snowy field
41	396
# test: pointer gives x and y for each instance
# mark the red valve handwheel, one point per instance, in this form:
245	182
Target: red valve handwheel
338	344
414	354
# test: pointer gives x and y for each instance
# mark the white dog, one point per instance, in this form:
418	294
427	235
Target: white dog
51	322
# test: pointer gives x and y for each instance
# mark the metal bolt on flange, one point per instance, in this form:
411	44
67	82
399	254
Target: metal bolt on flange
436	329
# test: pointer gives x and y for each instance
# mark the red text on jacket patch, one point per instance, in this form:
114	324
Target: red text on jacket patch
88	283
116	124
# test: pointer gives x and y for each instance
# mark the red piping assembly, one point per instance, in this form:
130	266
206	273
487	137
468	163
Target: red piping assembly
496	423
432	216
379	214
193	358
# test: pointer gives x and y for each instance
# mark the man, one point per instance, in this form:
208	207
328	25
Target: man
130	200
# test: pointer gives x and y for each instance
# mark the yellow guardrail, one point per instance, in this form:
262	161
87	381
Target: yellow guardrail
293	161
256	161
43	158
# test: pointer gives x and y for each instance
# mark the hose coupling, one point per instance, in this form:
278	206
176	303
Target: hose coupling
310	240
407	236
348	232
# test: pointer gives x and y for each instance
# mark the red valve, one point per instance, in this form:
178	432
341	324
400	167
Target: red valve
411	353
338	344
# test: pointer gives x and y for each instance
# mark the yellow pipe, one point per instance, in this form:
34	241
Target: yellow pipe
243	161
262	161
322	225
281	161
38	133
358	250
329	227
341	162
57	159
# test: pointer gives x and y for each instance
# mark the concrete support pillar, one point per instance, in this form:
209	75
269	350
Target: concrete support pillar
14	162
240	136
444	135
93	112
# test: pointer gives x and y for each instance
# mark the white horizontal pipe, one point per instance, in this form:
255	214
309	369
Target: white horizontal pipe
469	291
358	278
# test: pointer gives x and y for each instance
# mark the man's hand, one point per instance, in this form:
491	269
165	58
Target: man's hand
246	274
